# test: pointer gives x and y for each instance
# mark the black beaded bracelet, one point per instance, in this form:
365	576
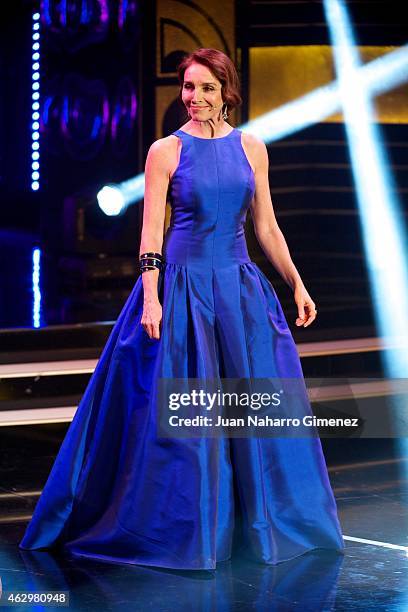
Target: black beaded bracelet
151	254
150	261
144	268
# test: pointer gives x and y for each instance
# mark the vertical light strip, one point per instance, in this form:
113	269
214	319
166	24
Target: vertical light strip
35	106
380	217
36	287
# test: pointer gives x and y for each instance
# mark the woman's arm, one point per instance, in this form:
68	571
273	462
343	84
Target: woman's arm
157	178
156	185
269	234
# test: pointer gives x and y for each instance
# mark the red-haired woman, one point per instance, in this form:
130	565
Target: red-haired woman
122	489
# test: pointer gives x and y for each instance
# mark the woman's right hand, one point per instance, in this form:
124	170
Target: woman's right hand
151	318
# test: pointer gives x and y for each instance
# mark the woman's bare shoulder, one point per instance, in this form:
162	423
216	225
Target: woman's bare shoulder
256	149
162	151
253	142
163	147
164	144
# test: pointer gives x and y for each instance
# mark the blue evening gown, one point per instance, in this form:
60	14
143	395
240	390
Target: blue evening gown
117	492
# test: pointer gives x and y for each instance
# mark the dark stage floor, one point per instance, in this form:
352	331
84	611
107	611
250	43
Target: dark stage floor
370	488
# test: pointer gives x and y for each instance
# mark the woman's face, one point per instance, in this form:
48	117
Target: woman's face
201	93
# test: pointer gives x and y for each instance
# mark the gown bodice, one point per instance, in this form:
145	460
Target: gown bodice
209	193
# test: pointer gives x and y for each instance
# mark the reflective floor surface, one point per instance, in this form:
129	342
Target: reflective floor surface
370	488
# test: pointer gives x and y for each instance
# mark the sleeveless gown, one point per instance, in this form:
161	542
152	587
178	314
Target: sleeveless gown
116	491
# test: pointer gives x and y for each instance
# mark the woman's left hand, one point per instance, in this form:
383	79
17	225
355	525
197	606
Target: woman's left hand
306	307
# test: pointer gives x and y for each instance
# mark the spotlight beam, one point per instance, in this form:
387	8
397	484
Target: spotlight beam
384	242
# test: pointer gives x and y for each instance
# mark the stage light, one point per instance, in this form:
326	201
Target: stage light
35	96
380	217
36	261
111	200
124	194
35	166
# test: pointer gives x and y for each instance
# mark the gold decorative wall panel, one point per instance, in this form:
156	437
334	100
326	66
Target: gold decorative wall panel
281	74
182	27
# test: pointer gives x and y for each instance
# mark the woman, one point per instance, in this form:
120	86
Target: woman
200	309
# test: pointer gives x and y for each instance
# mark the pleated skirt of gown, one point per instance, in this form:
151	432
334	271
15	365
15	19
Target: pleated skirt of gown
119	493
